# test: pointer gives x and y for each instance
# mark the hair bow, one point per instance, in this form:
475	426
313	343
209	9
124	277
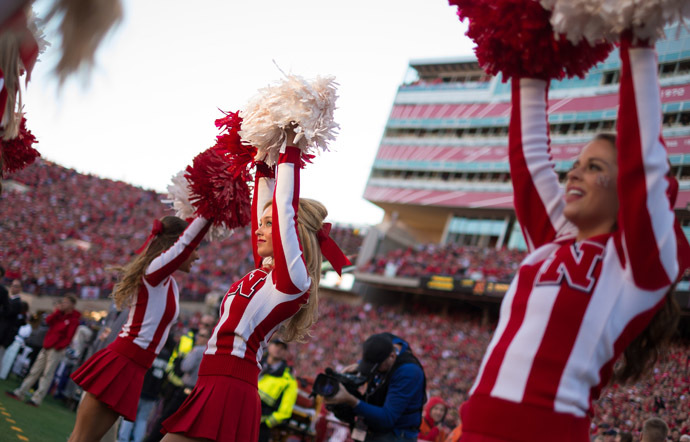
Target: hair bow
330	250
155	230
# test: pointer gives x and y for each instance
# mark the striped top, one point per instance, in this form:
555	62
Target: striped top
573	307
157	301
255	306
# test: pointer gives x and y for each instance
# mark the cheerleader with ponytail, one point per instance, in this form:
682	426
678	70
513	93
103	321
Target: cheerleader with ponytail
113	378
290	239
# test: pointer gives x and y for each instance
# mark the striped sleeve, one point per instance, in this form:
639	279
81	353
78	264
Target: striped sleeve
263	191
538	197
645	215
167	262
290	271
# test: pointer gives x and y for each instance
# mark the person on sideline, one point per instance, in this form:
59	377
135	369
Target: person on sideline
62	324
277	389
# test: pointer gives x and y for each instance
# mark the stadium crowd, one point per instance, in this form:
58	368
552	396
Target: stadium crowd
478	263
451	347
62	231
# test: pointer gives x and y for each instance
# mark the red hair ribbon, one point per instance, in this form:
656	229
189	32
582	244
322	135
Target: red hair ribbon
330	250
155	230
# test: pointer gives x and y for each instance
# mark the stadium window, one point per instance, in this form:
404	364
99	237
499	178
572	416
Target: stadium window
685	118
472	131
593	126
564	128
445	176
611	77
578	127
670	119
607	125
685	173
459	132
675	170
668	68
421	132
553	128
684	67
485	131
470	176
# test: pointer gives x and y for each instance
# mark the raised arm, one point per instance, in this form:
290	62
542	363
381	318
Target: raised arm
264	183
289	271
645	215
537	195
167	262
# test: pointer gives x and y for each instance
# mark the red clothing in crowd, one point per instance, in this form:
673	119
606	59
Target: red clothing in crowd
431	430
61	329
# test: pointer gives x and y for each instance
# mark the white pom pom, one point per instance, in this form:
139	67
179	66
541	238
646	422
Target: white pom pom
178	196
294	100
604	20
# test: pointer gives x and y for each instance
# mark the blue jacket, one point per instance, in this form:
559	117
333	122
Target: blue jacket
402	409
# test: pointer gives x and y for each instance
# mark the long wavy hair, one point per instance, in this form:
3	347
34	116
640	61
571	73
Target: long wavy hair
310	217
651	345
130	274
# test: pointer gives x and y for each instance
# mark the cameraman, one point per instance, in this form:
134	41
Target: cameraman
392	406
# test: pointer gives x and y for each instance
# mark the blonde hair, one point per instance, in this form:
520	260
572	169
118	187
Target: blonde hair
310	217
130	276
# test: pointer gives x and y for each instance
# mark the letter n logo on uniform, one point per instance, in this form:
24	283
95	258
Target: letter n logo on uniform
246	286
575	263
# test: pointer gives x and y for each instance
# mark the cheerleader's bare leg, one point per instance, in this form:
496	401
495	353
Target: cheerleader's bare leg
94	419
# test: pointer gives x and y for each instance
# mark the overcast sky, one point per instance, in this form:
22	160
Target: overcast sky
150	103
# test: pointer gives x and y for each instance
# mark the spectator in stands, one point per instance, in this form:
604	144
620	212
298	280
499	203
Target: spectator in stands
62	324
624	437
395	394
455	435
277	389
432	428
654	430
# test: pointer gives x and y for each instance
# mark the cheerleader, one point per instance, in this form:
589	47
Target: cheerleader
282	293
113	377
603	257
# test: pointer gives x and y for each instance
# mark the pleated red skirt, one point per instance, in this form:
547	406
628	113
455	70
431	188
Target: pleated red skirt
113	379
219	408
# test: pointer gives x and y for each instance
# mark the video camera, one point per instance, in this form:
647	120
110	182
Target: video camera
328	384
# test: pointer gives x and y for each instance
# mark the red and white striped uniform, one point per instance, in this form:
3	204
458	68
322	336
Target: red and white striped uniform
256	305
573	307
157	303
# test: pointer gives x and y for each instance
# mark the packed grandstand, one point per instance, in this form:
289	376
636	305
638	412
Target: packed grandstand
62	231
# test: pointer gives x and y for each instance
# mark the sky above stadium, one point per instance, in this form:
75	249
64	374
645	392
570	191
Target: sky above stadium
149	105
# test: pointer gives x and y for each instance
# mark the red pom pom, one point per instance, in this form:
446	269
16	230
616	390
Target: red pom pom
18	152
515	37
219	177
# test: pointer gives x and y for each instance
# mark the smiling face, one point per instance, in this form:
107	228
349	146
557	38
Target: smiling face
264	234
437	412
591	196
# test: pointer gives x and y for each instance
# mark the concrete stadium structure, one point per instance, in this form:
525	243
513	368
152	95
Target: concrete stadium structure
441	172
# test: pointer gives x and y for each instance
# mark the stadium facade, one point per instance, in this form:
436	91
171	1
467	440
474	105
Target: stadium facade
441	173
